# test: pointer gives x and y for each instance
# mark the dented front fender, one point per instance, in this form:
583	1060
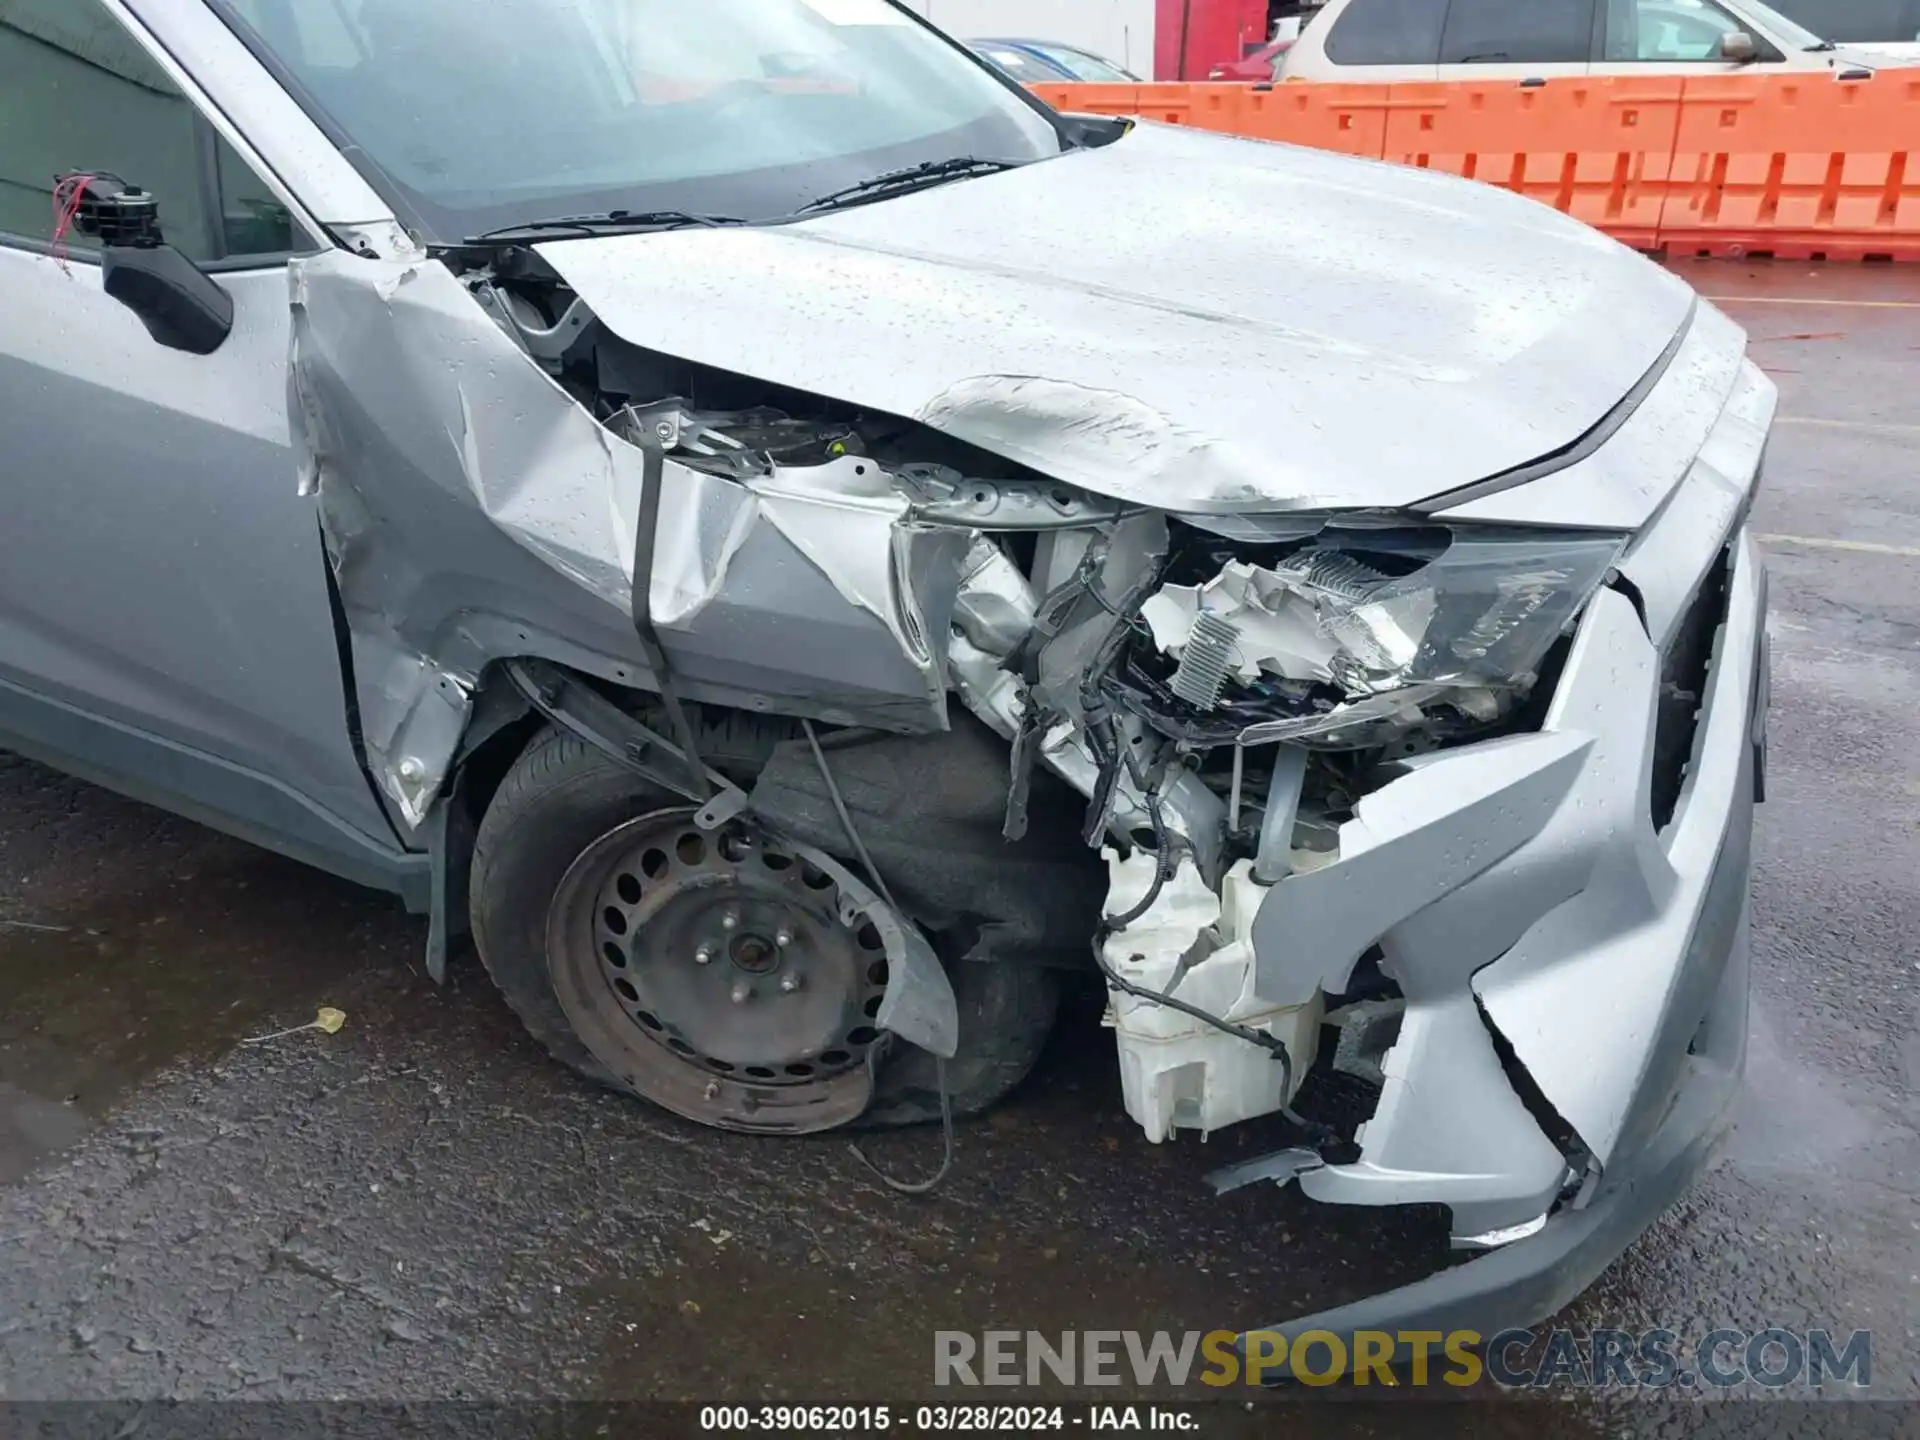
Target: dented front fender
474	511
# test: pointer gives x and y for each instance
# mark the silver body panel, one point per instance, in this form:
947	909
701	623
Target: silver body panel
157	571
1528	894
1180	319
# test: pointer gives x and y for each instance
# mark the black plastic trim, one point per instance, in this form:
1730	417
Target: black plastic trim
206	788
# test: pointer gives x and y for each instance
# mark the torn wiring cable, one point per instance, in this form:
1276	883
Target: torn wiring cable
846	818
922	1187
1103	734
904	1187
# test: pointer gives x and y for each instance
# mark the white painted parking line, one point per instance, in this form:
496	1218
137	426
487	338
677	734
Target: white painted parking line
1815	542
1892	427
1812	300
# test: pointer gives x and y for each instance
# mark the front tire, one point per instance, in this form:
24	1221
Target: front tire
561	801
560	796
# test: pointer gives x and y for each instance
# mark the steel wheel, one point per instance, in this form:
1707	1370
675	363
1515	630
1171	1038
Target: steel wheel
719	974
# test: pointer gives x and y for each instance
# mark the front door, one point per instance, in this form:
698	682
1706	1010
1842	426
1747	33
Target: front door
165	625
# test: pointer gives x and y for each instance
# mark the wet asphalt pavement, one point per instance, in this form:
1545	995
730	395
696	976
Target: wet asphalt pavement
424	1206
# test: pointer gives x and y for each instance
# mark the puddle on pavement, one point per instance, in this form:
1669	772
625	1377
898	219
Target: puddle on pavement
728	1323
93	1002
725	1326
1058	1217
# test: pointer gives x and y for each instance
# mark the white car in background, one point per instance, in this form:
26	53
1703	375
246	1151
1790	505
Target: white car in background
1387	40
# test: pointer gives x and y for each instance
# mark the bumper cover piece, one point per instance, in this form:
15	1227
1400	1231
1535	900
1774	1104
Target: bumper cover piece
1625	1001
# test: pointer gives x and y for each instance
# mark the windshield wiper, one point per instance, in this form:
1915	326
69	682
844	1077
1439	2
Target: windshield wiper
613	222
1822	46
913	177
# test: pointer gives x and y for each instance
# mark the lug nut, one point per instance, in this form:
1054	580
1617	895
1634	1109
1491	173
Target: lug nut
783	937
713	1090
742	992
730	920
703	956
789	983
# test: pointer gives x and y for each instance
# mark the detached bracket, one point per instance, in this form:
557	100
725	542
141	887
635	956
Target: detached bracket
576	706
646	535
450	830
449	833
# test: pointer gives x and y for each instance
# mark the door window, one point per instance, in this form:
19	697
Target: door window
1387	32
1669	30
1518	32
1083	66
77	93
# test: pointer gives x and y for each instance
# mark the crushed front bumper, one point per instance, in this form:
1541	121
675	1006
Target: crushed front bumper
1531	1279
1555	934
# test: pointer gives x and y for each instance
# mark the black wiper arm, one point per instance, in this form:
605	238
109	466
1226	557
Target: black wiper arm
1824	45
613	222
912	177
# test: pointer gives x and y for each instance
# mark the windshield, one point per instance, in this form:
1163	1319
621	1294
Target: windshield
472	117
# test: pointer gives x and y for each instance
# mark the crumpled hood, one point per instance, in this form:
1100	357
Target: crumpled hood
1180	319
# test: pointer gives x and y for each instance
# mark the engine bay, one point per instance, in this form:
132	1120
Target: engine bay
1213	694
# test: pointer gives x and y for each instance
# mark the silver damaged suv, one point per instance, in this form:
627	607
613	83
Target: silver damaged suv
800	550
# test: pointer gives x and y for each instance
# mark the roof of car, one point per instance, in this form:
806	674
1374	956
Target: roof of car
1038	49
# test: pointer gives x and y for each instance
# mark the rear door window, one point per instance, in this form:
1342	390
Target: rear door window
1856	20
1387	32
1083	66
1518	32
1027	69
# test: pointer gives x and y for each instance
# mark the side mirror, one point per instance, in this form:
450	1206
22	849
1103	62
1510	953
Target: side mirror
176	300
1738	46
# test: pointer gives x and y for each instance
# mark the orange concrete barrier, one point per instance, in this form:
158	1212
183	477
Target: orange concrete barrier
1800	167
1349	118
1600	149
1793	165
1098	99
1210	107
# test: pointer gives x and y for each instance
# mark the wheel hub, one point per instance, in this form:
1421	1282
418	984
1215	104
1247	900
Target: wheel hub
725	973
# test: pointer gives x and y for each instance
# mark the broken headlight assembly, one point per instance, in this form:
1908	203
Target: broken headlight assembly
1345	636
1360	641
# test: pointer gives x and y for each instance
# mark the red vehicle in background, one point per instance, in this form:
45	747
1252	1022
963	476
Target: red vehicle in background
1226	39
1258	65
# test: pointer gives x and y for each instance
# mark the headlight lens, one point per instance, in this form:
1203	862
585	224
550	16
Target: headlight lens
1351	626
